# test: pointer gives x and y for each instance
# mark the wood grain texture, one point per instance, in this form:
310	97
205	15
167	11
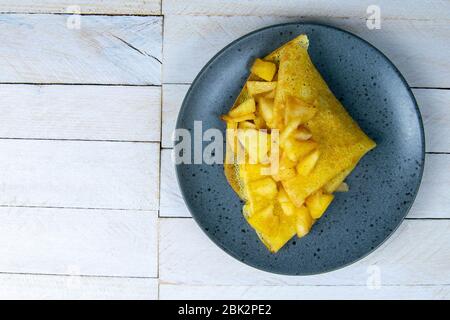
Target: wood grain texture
78	242
173	96
103	50
433	199
435	108
140	7
115	175
80	112
200	37
42	287
190	292
171	202
416	254
434	105
435	9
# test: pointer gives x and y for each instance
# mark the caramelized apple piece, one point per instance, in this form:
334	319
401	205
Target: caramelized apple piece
256	143
251	172
304	221
257	87
289	130
265	109
343	187
265	221
286	169
318	203
307	164
245	117
302	133
270	95
246	107
259	122
295	149
298	109
264	69
335	182
266	188
246	125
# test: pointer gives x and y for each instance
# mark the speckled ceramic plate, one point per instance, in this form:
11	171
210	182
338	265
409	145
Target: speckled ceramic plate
382	187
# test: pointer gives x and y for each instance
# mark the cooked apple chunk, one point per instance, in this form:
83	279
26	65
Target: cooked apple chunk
296	150
245	117
318	202
270	94
265	109
289	130
257	87
302	133
307	164
286	169
343	187
297	109
246	107
264	69
246	125
304	221
265	187
256	144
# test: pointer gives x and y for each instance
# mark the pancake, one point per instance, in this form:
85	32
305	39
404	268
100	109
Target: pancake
314	161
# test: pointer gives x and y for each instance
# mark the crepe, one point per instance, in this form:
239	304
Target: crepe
341	142
280	205
231	170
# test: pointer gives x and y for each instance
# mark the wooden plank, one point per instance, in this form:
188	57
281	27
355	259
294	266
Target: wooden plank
80	112
435	108
434	105
140	7
433	199
97	50
200	37
115	175
435	9
42	287
417	254
173	96
190	292
78	242
171	202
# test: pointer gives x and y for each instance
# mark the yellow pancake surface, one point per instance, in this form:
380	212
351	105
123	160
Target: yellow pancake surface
341	142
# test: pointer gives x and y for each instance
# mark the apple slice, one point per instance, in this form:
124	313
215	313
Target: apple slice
246	125
307	164
302	133
318	203
257	87
296	150
246	107
264	69
304	221
256	143
290	128
265	109
265	188
299	109
245	117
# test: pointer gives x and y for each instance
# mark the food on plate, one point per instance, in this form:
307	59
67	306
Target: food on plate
290	145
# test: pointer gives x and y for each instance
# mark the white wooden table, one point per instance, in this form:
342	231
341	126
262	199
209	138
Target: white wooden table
89	207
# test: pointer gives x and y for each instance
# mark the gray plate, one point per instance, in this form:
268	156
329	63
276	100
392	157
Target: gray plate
382	187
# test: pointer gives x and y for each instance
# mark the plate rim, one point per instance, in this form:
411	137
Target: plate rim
422	142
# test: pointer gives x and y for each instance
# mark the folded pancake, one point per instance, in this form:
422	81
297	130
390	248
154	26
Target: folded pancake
340	140
231	169
319	148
